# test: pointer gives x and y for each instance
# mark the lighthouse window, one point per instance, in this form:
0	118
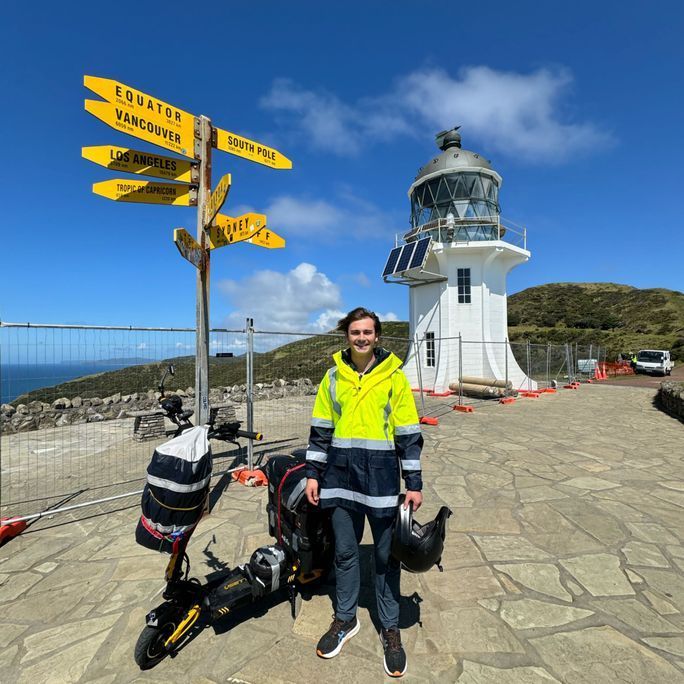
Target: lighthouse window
463	278
430	349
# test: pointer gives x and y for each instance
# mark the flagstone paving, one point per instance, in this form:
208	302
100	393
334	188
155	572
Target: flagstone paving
564	563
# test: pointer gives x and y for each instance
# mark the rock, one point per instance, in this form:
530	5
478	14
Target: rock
107	401
602	654
530	614
77	402
96	401
181	393
125	398
543	578
190	391
95	417
279	383
599	574
8	409
61	403
116	397
35	407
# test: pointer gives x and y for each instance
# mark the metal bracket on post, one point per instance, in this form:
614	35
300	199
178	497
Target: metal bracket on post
202	334
249	328
460	370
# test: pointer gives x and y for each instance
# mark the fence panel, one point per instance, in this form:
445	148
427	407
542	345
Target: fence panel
78	420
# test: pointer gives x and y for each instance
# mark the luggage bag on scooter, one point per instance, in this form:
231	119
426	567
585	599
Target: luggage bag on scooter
175	495
303	530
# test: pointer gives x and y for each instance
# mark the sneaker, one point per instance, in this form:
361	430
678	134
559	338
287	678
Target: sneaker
339	632
395	656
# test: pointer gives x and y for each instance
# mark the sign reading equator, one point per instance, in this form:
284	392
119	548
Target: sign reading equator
147	192
142	163
250	149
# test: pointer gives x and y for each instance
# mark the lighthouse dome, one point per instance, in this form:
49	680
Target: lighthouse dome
459	184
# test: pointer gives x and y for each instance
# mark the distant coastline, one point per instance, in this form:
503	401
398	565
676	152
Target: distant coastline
19	378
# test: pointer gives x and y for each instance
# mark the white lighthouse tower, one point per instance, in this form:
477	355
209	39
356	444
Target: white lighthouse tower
455	259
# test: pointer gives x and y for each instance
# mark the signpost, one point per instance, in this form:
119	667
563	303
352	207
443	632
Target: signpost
250	149
267	238
188	247
147	192
145	117
142	163
216	199
227	231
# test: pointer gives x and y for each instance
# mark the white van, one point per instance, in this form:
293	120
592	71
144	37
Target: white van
654	361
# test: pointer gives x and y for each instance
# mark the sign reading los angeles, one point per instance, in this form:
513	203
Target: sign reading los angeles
147	192
250	149
143	116
189	248
142	163
227	230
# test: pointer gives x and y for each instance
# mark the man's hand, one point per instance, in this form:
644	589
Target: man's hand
311	491
415	497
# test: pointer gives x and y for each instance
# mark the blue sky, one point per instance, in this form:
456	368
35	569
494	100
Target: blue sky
578	105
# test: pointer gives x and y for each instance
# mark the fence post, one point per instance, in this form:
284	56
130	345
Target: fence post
460	369
568	362
419	361
548	363
249	328
529	370
506	348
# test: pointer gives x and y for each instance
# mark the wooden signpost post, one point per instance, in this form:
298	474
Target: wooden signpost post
145	117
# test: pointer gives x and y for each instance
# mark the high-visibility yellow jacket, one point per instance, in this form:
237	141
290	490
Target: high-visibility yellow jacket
364	433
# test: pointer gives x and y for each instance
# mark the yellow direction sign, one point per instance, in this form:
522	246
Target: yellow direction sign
250	149
143	116
142	163
189	248
227	230
148	192
216	199
267	238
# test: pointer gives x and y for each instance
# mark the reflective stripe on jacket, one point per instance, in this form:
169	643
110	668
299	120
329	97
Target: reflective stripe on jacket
364	434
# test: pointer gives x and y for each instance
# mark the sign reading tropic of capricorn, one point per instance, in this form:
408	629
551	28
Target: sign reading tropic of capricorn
147	118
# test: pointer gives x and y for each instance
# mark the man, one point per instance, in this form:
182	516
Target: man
364	432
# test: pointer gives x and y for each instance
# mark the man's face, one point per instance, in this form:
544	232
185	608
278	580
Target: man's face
361	335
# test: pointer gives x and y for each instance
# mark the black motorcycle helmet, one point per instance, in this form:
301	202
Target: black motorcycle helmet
172	404
418	547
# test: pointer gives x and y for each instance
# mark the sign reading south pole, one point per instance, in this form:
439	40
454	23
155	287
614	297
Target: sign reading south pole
147	192
250	149
133	112
142	163
189	248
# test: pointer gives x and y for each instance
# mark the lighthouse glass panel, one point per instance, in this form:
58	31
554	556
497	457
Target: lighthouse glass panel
470	197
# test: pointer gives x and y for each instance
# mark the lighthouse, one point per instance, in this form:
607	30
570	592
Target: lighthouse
455	259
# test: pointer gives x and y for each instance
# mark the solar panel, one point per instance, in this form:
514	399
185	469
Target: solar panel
418	258
405	258
391	261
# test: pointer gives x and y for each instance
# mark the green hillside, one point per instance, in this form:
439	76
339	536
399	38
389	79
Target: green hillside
620	317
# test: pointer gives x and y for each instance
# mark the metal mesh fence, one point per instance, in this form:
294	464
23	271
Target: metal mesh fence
80	412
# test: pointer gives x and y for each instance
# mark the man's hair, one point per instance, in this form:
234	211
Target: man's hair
356	315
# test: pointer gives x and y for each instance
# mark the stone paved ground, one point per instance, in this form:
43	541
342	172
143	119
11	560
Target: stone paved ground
564	563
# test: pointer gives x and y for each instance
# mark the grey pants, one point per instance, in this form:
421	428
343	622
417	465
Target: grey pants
348	528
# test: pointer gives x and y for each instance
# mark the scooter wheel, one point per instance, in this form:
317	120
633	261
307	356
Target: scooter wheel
150	649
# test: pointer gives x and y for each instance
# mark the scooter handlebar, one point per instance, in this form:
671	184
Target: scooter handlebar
247	434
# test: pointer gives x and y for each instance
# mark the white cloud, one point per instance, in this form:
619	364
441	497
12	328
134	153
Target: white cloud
349	217
301	300
509	113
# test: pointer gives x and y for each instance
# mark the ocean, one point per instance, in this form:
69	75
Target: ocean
17	379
